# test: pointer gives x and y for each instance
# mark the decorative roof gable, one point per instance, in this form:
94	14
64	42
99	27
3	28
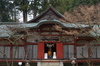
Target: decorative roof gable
49	14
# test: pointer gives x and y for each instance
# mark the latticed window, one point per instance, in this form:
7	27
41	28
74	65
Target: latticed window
18	52
4	50
68	51
95	51
32	51
82	52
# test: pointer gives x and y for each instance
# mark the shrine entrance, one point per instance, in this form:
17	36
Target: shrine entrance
50	50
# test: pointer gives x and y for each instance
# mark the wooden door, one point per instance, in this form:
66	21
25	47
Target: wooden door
59	48
41	51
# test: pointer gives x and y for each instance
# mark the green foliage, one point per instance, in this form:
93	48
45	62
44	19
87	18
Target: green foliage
34	7
74	3
44	5
62	6
23	4
4	11
96	1
59	5
69	5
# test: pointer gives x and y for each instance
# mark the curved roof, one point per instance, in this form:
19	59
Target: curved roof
4	30
50	8
64	25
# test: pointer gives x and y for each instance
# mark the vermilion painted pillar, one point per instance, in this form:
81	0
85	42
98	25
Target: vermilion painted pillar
59	50
41	51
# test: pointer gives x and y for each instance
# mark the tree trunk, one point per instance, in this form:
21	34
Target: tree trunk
35	12
24	16
35	9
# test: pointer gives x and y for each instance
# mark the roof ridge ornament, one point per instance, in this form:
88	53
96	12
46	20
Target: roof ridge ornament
50	5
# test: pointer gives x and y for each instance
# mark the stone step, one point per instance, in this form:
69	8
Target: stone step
50	64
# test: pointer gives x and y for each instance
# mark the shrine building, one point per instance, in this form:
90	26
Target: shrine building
46	46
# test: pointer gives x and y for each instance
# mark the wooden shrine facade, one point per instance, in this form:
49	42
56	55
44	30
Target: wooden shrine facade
46	37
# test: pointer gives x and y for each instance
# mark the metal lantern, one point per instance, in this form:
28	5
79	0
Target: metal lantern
73	61
19	63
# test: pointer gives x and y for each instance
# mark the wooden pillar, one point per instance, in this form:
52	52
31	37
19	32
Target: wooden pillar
11	51
59	50
76	37
41	51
